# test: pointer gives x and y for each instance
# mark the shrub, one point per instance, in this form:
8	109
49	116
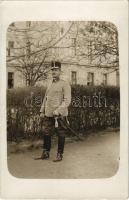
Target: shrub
92	107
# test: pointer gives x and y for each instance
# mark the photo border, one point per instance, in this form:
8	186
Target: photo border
112	11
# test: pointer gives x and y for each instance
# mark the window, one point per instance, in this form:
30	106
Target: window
10	44
117	78
73	41
10	80
74	77
74	46
62	31
105	79
13	24
28	49
90	78
8	52
28	24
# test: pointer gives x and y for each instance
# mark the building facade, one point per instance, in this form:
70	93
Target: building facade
57	40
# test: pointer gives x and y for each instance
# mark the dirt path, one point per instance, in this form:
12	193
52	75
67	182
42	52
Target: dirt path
96	157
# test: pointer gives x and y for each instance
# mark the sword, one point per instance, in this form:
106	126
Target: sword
56	122
68	126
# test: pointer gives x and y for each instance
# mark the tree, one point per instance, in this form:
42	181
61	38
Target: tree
94	43
34	44
98	43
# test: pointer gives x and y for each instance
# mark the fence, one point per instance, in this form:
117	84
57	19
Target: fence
92	108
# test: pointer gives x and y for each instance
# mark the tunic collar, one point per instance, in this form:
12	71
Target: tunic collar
55	79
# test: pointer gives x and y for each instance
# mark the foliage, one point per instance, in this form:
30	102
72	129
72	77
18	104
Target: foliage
81	42
92	108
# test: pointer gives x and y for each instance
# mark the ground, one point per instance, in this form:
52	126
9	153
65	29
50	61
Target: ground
95	157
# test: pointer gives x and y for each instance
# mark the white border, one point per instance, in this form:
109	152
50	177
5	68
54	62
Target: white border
113	11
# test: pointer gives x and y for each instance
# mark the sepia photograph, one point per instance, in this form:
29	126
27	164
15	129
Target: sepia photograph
63	99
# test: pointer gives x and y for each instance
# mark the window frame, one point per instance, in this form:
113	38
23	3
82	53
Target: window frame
90	78
11	78
74	77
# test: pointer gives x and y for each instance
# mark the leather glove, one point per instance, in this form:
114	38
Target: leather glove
42	115
56	113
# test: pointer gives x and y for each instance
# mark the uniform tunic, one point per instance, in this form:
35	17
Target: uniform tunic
57	97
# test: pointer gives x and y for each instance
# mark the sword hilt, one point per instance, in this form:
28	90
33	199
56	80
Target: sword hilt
56	122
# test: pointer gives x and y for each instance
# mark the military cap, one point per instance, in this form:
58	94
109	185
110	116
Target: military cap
55	65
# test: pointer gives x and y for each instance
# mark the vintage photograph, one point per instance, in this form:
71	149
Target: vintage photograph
63	99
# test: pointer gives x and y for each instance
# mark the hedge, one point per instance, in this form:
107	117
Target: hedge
92	108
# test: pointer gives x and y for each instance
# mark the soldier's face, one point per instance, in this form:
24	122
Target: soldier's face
56	73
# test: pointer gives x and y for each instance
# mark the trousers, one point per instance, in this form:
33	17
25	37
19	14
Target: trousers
48	127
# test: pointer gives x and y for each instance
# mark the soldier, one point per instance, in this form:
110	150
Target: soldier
54	112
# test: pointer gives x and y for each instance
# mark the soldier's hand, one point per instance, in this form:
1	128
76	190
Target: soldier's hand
55	113
42	115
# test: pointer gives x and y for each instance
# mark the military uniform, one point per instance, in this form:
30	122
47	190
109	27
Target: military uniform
57	98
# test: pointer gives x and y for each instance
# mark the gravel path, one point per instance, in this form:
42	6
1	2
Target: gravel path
96	157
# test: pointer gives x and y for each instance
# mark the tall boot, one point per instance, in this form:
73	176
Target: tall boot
47	142
61	142
59	157
45	155
46	148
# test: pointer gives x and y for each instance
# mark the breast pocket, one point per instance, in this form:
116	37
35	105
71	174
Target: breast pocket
57	92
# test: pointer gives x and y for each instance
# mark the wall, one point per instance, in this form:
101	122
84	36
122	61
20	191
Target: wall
82	72
18	78
66	55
